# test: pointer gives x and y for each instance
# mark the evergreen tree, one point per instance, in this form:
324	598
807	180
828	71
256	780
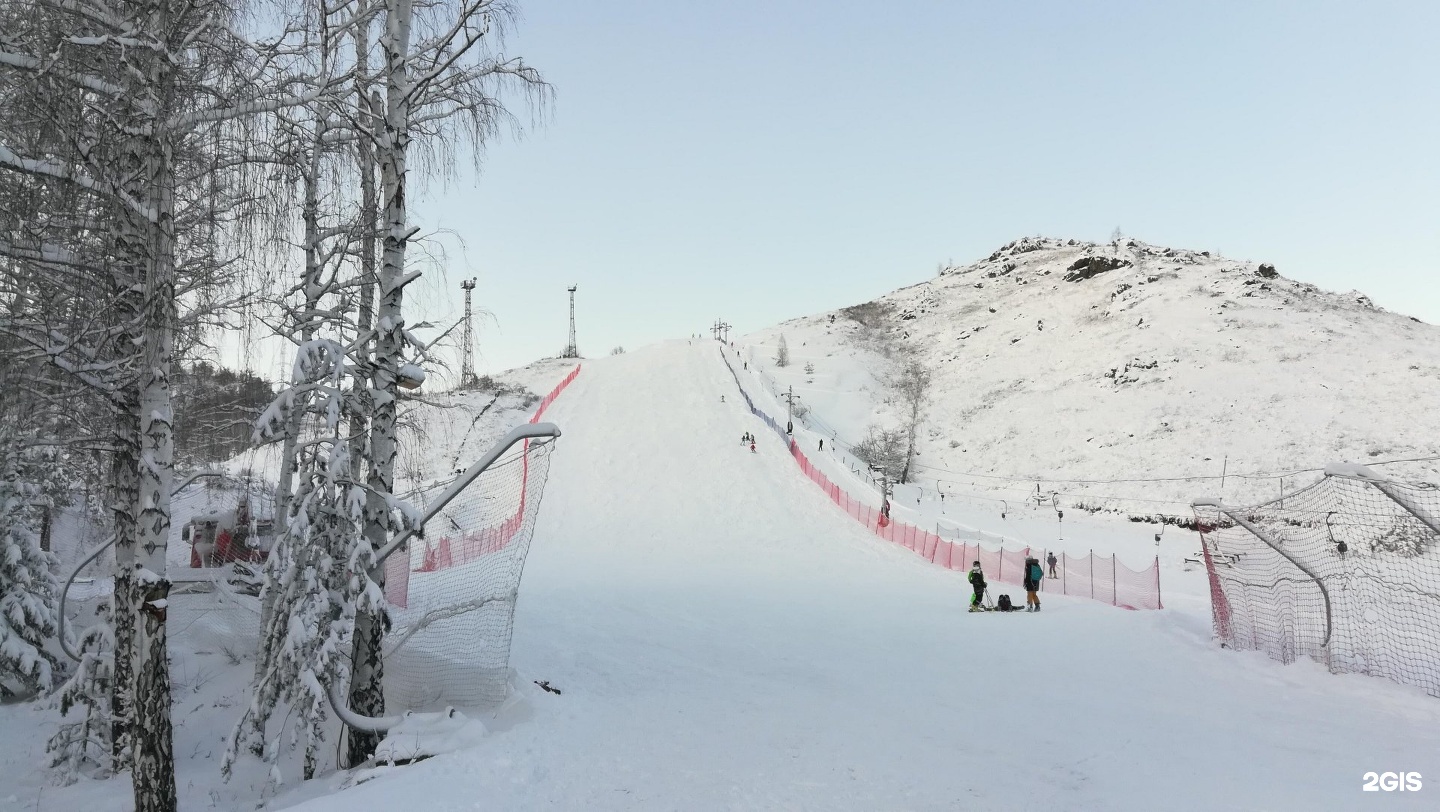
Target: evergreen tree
85	737
317	577
27	584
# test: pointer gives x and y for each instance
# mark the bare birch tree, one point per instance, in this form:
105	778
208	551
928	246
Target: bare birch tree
152	78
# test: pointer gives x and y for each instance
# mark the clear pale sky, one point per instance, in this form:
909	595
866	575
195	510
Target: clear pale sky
757	161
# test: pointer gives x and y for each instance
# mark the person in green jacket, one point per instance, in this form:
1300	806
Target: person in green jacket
977	582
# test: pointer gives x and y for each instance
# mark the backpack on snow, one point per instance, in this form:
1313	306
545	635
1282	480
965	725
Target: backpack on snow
1003	603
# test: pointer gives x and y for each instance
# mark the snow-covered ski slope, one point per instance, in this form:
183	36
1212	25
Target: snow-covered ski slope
725	639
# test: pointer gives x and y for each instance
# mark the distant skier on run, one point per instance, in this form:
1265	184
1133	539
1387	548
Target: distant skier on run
752	445
1033	574
977	583
1050	559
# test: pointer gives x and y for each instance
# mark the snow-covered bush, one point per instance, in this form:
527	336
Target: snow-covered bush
28	590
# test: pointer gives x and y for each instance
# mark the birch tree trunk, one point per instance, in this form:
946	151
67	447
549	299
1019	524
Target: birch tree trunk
153	763
366	690
368	108
125	478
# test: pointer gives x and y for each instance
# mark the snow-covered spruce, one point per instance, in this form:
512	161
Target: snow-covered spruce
317	577
28	589
83	742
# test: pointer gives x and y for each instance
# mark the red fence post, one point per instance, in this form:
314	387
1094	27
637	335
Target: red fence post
1114	583
1091	561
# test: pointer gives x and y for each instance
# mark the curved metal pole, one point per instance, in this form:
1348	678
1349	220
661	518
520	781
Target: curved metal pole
368	724
529	431
65	592
1272	544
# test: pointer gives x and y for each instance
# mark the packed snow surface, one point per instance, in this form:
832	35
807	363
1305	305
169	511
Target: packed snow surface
725	639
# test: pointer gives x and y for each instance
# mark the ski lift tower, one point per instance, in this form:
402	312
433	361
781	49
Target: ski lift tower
572	350
467	356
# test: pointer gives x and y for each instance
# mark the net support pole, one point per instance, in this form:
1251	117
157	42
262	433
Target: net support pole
1360	473
1159	604
527	431
1390	491
1275	545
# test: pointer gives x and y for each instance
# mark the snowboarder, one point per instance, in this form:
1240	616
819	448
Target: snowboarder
752	445
1050	559
822	443
977	583
1033	574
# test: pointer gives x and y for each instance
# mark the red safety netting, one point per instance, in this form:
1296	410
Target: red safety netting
1091	576
554	393
468	545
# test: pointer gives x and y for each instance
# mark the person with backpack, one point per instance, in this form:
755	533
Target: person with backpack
977	583
1033	574
1050	559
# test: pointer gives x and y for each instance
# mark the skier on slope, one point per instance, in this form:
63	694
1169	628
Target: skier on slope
1050	559
977	582
1033	574
752	445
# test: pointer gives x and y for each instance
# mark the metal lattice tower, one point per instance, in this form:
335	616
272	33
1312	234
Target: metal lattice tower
467	355
572	350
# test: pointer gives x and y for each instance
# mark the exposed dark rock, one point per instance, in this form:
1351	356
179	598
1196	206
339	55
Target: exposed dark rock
1086	267
1267	271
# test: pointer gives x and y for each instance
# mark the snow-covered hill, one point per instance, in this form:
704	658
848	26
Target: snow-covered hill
1072	365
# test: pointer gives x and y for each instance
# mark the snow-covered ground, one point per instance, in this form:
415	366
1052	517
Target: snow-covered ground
724	638
1136	388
